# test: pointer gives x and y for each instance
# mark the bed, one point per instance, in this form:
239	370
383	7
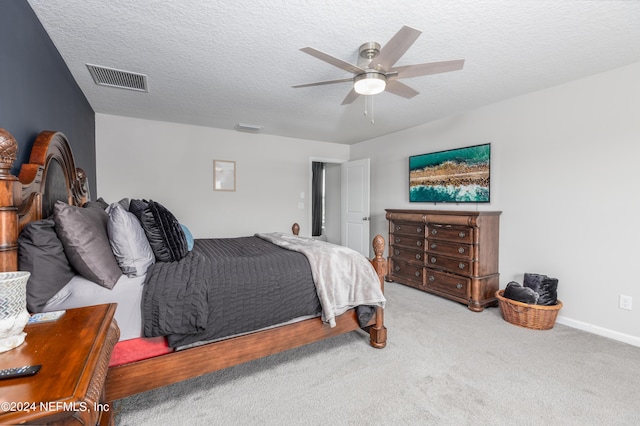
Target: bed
50	182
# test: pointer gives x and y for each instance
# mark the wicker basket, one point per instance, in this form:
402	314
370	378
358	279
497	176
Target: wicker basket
537	317
13	309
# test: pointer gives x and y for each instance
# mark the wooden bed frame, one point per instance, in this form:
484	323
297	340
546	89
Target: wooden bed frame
51	175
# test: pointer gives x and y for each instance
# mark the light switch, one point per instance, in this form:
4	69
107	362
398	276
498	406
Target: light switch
302	195
301	205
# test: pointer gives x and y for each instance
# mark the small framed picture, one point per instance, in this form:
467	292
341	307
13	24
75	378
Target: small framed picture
224	175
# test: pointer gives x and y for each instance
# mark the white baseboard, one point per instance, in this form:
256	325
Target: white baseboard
626	338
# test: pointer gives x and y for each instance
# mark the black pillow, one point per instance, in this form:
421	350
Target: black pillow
533	281
515	291
137	207
164	233
546	287
548	292
41	253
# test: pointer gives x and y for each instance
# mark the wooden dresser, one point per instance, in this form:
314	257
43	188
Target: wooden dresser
74	352
453	254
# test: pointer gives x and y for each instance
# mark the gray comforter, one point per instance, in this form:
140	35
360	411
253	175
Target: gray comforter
229	286
225	287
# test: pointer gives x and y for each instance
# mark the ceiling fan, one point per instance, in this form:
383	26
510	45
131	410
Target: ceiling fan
375	72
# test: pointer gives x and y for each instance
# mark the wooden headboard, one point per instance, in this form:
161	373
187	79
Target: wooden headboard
49	176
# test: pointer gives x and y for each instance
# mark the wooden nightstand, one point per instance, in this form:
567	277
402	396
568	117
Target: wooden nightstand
69	388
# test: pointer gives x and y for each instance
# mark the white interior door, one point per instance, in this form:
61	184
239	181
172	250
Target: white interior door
355	205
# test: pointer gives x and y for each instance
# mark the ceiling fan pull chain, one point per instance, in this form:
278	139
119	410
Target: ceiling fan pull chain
372	113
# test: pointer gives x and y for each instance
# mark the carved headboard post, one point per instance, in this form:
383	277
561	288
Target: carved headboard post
49	176
51	171
9	200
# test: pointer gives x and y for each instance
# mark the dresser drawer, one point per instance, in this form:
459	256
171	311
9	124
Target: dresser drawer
406	272
461	250
410	241
403	254
407	228
458	266
453	285
450	233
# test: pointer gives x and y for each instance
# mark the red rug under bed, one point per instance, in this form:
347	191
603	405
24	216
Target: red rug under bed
127	351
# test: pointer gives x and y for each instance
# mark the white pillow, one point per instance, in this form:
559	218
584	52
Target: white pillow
128	242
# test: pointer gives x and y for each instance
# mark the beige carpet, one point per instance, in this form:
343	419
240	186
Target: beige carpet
443	365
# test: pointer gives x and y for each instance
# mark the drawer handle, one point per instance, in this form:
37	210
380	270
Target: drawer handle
398	227
433	260
418	256
462	234
398	240
434	245
459	286
434	231
419	243
461	250
397	252
417	273
432	278
418	230
462	265
397	268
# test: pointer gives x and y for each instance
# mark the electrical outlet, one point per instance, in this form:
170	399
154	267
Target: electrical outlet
625	302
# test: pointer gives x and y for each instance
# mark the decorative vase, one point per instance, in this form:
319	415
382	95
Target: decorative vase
13	309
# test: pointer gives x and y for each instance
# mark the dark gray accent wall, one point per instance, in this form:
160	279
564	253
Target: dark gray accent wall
37	90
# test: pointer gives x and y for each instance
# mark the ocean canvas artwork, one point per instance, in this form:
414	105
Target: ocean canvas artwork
460	175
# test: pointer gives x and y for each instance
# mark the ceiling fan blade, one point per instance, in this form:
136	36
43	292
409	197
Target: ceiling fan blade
321	83
400	89
351	96
332	60
418	70
395	48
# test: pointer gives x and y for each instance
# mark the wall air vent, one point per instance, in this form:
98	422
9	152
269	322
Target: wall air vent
111	77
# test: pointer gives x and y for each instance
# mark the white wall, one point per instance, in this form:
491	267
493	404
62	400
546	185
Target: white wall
563	174
173	165
564	166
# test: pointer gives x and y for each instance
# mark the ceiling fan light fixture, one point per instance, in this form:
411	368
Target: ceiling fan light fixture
369	83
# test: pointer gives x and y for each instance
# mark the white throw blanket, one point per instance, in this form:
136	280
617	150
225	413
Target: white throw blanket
343	277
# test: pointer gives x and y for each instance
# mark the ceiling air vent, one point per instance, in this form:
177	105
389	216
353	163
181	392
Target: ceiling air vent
251	128
104	76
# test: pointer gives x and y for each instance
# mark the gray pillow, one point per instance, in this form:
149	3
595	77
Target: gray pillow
99	203
128	242
83	232
41	253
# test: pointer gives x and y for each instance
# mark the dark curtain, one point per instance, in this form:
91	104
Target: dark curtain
316	198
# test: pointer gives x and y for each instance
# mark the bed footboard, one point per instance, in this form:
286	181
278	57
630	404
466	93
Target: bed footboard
378	332
140	376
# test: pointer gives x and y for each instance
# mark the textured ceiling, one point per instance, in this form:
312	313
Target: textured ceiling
217	63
